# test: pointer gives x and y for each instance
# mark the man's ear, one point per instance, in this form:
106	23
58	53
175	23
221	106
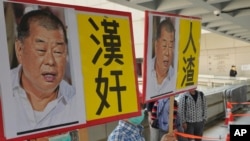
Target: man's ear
19	50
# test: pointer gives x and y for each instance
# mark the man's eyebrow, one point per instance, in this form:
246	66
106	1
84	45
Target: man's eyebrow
39	39
164	39
61	43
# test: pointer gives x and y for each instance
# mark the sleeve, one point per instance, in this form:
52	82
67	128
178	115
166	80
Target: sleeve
204	106
181	108
116	136
178	124
176	116
150	106
151	112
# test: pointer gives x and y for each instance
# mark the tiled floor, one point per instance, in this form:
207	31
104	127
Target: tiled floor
216	130
219	130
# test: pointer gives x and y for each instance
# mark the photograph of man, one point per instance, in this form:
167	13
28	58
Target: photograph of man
160	72
42	97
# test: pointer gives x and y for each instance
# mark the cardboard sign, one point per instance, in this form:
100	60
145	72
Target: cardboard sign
172	45
81	61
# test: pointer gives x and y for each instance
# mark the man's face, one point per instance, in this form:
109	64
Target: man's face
192	92
164	49
43	57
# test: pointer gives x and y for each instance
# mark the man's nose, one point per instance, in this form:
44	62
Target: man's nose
166	50
49	58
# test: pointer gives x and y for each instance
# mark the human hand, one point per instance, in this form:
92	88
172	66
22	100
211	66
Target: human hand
168	137
184	125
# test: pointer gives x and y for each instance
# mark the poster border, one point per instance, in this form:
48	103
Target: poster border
146	23
92	122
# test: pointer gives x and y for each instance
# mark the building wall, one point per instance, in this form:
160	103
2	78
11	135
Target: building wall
218	53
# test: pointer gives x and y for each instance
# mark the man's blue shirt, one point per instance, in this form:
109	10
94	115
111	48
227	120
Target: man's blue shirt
126	132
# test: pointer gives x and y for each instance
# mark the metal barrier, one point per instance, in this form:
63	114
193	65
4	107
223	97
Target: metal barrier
237	93
216	98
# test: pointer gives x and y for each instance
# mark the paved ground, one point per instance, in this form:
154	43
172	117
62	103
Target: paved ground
220	130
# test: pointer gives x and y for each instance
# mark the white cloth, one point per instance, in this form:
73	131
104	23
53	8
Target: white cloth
59	111
154	89
190	110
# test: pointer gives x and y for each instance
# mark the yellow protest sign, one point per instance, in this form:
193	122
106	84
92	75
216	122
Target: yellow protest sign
188	52
107	59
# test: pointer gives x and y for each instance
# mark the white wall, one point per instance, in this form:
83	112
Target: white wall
217	54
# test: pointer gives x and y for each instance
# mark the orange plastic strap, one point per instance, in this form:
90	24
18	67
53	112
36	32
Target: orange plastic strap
196	137
240	103
240	115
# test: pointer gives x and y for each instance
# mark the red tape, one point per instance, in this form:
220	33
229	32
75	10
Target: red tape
233	103
240	115
196	137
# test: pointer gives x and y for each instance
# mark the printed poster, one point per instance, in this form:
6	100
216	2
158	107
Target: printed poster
107	56
42	91
172	45
85	66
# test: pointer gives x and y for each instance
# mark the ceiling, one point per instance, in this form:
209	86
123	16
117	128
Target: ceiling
230	18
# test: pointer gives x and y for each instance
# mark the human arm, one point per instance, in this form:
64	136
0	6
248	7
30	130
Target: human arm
178	124
231	72
149	110
181	111
204	107
116	137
